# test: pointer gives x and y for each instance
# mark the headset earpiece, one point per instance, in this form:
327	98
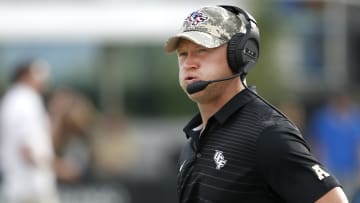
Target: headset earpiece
243	48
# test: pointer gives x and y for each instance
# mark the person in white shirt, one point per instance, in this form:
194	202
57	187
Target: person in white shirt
26	147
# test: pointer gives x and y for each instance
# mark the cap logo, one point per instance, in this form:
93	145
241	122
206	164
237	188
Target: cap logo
196	18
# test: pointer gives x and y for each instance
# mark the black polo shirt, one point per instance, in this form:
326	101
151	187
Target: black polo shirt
249	152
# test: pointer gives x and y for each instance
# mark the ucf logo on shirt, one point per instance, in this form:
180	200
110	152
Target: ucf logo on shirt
219	159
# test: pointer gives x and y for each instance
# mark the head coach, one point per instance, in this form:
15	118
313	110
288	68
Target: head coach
240	148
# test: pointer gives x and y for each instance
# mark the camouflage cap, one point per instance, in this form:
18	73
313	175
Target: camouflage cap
210	26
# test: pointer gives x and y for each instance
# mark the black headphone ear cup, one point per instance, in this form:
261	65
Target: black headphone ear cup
234	52
241	50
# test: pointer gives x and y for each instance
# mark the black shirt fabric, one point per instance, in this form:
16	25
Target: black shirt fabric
249	153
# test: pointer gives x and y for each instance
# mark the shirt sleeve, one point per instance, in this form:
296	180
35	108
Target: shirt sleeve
290	169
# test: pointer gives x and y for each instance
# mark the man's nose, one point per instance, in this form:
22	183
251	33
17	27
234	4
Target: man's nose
191	62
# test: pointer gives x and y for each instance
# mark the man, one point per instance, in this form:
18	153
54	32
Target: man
26	142
240	148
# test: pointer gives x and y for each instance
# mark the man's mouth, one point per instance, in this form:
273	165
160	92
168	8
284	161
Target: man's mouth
191	79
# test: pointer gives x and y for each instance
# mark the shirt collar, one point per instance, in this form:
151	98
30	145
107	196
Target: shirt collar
238	101
193	123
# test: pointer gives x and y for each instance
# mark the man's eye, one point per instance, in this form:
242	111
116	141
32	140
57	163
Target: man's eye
182	54
202	50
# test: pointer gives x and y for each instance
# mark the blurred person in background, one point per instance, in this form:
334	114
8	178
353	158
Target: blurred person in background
240	148
335	129
72	114
114	146
26	139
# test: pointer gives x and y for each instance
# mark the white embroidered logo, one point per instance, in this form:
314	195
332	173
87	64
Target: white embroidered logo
321	173
219	159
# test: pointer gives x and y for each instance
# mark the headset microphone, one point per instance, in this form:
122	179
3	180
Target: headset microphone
197	86
202	84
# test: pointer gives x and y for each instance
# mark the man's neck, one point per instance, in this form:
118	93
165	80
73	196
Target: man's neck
207	110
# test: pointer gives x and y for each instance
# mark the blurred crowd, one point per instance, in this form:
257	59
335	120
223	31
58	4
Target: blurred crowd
55	136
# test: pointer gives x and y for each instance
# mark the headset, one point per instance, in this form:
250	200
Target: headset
243	48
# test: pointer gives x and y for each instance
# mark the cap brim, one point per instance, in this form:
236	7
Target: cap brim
201	38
